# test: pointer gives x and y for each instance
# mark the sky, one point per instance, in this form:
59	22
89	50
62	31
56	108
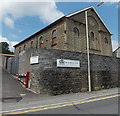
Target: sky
19	20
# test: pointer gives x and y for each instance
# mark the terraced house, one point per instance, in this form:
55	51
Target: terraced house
69	33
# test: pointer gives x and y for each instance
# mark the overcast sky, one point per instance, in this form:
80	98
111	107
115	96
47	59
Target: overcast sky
20	19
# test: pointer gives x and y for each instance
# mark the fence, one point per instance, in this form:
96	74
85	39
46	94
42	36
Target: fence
24	78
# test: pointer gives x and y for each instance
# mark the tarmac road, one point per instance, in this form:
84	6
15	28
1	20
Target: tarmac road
107	106
102	105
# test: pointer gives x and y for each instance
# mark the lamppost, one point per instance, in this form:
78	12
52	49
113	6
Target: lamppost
88	52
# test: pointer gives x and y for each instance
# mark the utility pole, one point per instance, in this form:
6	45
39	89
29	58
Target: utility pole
88	52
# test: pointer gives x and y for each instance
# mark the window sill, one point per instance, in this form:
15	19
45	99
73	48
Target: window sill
53	44
95	50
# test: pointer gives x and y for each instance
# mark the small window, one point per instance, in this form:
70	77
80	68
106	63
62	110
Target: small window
92	36
31	44
54	41
76	31
41	41
106	40
19	49
24	47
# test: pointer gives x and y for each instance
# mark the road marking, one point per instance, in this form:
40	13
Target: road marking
43	106
59	106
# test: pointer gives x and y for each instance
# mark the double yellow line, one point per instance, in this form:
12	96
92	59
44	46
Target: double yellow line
59	106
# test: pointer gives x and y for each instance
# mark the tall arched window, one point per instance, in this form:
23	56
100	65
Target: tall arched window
54	34
92	36
24	47
36	43
76	31
106	40
41	41
54	41
19	49
31	44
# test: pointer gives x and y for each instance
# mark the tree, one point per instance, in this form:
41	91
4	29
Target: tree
4	48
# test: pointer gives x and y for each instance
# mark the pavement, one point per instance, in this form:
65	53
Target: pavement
29	100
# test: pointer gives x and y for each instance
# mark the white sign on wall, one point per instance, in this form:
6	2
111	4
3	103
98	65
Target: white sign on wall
68	63
34	60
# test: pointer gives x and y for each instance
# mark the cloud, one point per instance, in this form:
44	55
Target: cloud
11	43
114	44
8	22
46	11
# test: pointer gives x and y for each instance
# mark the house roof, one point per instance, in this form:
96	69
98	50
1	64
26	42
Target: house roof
49	26
61	19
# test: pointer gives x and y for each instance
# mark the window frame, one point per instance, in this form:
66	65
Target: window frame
76	31
31	44
54	37
92	36
24	47
41	41
106	40
19	49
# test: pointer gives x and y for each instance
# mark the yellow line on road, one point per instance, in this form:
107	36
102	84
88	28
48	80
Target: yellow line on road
59	106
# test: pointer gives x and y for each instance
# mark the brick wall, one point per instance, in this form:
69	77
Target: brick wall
67	39
47	39
46	78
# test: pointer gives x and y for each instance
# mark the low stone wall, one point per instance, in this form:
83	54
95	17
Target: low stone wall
47	78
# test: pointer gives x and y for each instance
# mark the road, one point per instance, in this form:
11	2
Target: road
102	105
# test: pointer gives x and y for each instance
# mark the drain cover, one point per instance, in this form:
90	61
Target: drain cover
11	99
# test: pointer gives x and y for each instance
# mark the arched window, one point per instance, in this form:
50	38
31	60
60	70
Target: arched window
31	44
41	41
92	36
106	40
19	49
36	43
76	31
54	34
24	47
54	41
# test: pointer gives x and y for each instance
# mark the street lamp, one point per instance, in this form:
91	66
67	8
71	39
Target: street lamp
88	52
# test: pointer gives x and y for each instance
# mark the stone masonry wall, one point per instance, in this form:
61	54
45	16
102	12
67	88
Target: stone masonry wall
47	78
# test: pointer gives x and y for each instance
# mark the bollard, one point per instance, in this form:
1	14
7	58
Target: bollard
27	79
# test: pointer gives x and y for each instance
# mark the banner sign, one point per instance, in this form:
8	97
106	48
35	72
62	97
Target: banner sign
68	63
34	60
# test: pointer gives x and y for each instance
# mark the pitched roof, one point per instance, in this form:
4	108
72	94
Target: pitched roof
42	30
61	19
